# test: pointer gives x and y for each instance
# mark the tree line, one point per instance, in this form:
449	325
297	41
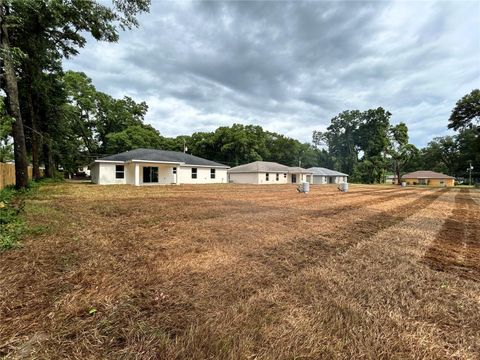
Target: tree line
58	118
367	146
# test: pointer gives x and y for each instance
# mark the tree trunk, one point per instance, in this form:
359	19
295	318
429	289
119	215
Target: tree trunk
35	138
397	171
19	147
48	157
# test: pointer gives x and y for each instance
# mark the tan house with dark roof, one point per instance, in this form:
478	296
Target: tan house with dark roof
429	178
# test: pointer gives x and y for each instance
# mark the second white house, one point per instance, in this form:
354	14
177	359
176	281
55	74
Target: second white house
266	172
156	167
322	175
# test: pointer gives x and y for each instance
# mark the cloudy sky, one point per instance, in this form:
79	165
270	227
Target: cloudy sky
291	66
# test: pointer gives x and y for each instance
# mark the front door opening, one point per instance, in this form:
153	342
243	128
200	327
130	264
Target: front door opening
150	174
294	178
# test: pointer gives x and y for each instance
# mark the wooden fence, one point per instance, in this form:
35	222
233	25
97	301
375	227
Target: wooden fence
7	174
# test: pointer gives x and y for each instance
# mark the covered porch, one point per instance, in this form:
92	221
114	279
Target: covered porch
297	175
141	173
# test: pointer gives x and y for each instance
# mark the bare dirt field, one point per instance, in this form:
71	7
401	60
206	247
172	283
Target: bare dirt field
244	272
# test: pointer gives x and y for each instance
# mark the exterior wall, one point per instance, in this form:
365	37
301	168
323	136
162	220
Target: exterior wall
319	179
322	179
203	175
431	182
104	174
244	178
272	178
130	174
94	172
261	178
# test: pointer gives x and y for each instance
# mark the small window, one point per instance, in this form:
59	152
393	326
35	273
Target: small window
194	173
277	176
212	173
285	176
174	170
119	171
267	175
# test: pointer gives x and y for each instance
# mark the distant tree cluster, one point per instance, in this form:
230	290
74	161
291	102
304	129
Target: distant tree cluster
366	146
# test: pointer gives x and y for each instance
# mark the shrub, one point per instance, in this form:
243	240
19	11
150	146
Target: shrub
11	225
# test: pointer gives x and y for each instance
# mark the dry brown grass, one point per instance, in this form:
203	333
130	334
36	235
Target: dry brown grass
244	272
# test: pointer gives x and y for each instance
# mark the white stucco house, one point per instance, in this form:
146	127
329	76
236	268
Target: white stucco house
265	172
322	175
156	167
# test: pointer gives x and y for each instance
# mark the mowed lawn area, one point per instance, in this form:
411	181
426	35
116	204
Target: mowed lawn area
244	272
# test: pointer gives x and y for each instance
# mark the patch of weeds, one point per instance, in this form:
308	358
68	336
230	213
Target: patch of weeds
11	225
38	230
58	178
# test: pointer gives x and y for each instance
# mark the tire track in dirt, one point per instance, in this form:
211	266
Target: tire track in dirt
310	250
456	248
379	199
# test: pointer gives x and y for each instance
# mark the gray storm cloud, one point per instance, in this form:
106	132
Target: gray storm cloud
291	66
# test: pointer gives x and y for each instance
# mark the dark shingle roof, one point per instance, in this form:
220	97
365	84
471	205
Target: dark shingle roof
425	174
161	155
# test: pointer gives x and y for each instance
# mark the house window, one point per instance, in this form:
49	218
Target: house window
119	171
174	170
150	174
277	176
212	173
267	176
285	176
194	173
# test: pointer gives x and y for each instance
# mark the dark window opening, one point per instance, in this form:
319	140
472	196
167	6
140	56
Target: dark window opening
174	170
119	171
212	173
194	173
285	176
277	177
150	174
267	176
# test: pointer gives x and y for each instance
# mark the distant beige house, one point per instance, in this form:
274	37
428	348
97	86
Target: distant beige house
266	172
322	176
430	178
391	179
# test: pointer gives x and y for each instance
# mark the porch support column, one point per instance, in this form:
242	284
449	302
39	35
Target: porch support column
137	175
